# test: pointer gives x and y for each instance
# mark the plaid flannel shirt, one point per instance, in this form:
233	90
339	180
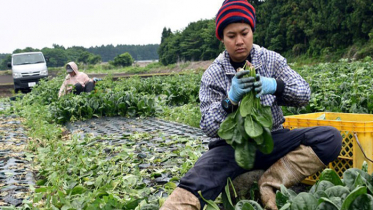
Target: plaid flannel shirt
217	79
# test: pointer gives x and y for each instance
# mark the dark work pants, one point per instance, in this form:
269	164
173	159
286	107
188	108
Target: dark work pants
79	88
210	173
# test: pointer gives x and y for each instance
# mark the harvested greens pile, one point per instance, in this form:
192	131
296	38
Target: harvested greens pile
248	128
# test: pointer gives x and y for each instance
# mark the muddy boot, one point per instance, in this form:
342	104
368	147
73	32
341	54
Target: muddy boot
181	199
243	183
289	170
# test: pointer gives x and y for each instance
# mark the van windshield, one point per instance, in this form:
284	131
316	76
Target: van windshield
28	59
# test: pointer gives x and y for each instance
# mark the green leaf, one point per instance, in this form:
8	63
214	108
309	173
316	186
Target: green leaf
304	201
286	206
252	128
321	117
267	146
352	196
41	189
290	194
353	177
245	154
244	205
331	176
247	104
237	137
337	191
132	204
41	182
259	140
319	194
263	115
241	126
227	127
324	185
281	199
209	203
226	195
149	207
362	202
78	190
365	167
255	205
327	204
359	181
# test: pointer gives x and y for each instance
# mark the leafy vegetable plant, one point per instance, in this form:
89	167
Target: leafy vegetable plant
354	191
248	129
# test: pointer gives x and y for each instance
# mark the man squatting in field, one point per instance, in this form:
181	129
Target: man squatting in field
297	153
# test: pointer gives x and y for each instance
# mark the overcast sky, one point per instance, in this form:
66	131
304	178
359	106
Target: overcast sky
89	23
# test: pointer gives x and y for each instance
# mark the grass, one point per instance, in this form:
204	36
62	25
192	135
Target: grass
134	69
188	114
5	72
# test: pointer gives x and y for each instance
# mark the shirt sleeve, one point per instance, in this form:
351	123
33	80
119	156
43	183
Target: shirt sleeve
296	91
212	92
63	88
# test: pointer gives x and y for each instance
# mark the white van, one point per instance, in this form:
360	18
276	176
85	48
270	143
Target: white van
28	68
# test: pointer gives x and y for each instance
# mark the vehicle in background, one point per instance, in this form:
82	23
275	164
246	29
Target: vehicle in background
28	69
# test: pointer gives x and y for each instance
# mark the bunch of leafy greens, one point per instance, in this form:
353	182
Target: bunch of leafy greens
248	129
354	191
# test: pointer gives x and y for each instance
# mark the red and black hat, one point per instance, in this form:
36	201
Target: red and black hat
234	11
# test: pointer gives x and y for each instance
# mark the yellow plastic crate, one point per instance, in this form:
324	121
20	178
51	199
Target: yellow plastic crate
351	126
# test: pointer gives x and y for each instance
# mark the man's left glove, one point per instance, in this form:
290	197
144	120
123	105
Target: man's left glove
265	86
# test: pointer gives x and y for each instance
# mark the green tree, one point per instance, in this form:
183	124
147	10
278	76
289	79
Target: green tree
124	59
83	57
4	62
27	49
56	57
163	48
196	42
94	59
138	52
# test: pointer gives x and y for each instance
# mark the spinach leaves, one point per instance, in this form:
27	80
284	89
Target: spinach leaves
354	191
248	129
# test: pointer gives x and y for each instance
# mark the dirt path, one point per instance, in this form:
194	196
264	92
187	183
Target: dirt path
6	78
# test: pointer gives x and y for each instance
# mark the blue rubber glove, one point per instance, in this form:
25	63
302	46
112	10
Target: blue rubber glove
265	86
95	79
240	86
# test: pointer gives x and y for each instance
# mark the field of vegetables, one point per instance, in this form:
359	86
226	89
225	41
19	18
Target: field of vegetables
126	145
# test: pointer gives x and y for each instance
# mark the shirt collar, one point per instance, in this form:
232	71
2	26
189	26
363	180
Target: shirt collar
229	70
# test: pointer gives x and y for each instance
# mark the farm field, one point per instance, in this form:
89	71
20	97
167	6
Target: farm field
127	145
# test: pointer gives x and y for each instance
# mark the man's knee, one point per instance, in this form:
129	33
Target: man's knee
326	141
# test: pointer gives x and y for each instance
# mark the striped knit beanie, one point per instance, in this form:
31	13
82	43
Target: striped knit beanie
234	11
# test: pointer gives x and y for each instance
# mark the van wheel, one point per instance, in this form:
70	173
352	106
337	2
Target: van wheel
16	90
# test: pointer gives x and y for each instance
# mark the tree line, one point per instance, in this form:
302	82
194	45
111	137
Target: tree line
138	52
58	55
294	27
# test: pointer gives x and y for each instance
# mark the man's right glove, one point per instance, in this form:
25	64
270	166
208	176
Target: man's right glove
240	86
